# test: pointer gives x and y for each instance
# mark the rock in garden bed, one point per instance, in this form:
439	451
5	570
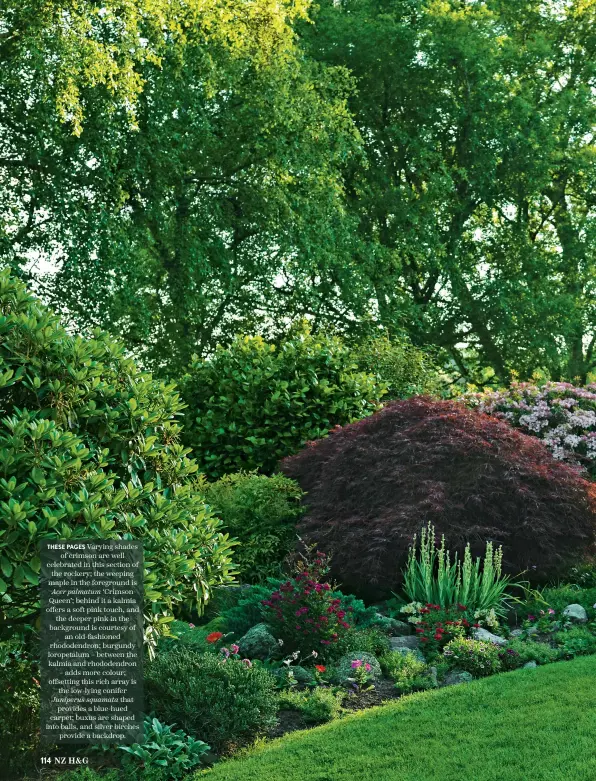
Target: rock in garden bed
488	637
258	643
456	677
576	613
411	642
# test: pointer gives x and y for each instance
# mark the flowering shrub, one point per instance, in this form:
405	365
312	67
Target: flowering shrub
473	656
545	622
562	415
304	613
436	625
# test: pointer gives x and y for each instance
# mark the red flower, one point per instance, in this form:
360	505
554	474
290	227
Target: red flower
214	637
438	637
321	668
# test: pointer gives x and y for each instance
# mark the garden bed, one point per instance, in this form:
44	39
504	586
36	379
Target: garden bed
535	724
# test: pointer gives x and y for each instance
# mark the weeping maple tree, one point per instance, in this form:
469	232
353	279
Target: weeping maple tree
373	484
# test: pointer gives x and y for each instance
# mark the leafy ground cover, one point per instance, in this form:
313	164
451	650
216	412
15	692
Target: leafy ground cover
536	724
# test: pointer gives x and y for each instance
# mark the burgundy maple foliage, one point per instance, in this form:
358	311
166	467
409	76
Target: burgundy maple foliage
373	484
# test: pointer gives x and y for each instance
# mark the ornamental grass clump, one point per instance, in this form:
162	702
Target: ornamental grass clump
433	576
303	612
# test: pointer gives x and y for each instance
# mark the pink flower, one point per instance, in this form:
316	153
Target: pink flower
234	648
247	662
356	664
367	667
192	626
551	612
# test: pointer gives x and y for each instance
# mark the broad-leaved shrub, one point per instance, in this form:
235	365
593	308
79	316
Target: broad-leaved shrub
89	448
253	403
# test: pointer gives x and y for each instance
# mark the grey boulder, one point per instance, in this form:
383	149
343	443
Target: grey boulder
411	642
258	643
576	613
488	637
456	677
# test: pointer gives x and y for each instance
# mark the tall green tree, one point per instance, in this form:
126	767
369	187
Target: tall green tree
221	212
475	208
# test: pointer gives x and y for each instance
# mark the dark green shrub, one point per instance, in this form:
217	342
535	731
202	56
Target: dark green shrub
223	702
372	640
249	609
89	449
576	641
583	575
530	651
253	403
407	370
261	512
19	713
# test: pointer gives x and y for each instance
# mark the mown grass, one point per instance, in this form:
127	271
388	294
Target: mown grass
529	725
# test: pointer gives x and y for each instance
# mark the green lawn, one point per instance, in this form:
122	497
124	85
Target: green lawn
529	725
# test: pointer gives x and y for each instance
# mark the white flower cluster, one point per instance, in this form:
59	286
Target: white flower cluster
487	618
562	415
413	611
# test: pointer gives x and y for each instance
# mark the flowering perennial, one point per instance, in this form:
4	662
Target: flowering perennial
562	415
436	625
304	613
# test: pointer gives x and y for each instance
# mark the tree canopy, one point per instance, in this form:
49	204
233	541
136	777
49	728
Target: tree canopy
475	207
198	170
